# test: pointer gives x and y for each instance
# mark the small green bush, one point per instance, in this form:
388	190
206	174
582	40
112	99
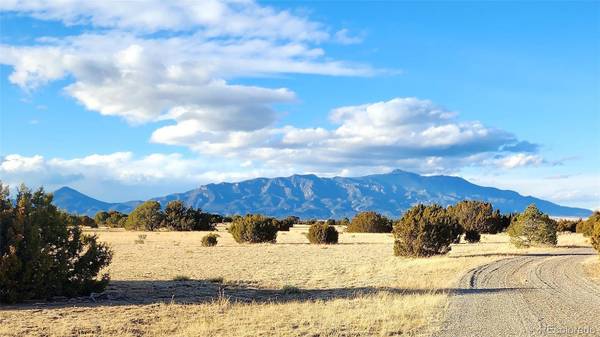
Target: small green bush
472	236
532	228
253	228
369	222
181	278
210	240
424	231
322	233
290	290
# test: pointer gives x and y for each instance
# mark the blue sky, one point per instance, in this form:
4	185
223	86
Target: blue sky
122	107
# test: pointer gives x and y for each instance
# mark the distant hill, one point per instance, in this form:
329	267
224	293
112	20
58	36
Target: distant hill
309	196
76	202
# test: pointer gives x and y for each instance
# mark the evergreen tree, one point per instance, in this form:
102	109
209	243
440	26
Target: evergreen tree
146	216
41	256
532	227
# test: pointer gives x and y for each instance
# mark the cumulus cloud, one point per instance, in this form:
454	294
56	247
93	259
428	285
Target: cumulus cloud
123	70
401	132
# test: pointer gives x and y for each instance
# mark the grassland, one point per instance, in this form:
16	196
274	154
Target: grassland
170	285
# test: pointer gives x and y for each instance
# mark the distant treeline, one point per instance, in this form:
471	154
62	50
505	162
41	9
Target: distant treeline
474	216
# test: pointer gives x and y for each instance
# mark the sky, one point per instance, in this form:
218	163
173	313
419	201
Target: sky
130	100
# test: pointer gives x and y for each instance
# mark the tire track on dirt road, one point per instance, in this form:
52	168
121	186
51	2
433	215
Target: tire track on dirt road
541	294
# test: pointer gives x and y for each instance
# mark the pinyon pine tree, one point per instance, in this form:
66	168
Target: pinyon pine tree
532	228
41	256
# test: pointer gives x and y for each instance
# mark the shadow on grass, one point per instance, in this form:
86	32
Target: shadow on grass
127	293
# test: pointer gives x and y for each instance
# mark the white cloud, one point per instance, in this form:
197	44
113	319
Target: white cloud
213	17
343	36
122	176
16	163
519	160
122	70
402	132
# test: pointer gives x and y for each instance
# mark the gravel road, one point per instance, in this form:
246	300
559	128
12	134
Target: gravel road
543	294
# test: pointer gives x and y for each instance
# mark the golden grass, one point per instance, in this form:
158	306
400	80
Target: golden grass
172	286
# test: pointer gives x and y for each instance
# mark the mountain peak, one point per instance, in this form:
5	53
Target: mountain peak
67	189
399	171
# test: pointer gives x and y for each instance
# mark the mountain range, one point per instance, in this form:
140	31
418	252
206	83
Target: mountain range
310	196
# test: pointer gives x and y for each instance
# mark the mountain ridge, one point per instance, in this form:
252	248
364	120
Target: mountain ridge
310	196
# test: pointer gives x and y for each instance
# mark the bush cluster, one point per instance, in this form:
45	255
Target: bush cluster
77	220
595	237
532	228
210	240
41	255
286	223
477	217
424	231
113	219
322	233
369	222
472	236
149	216
564	225
253	228
587	227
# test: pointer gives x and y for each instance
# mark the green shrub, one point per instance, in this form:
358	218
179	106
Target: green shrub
116	219
147	216
472	236
424	231
281	225
369	222
290	290
88	222
286	223
473	215
41	256
322	233
181	278
101	218
253	228
595	237
587	227
532	228
564	225
344	222
210	240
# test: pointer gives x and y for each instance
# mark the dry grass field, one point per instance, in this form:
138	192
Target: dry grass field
170	285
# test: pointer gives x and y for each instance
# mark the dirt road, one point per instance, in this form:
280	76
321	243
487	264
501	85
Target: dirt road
543	294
